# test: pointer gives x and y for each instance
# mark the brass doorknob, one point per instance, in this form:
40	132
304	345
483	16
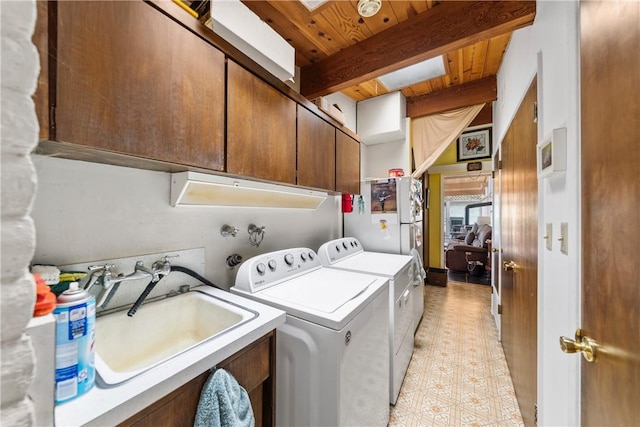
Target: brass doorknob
494	249
582	344
509	266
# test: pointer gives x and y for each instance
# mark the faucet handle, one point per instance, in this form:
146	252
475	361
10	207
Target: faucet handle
105	267
228	230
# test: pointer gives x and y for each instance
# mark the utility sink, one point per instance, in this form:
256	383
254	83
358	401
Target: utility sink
160	330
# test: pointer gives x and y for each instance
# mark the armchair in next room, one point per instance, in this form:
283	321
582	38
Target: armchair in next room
472	255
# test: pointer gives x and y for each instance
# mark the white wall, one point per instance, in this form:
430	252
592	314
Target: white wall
87	211
377	159
550	49
19	136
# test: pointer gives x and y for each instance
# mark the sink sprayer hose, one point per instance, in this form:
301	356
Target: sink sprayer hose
196	276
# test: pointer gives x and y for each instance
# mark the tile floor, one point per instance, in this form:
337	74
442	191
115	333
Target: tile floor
458	374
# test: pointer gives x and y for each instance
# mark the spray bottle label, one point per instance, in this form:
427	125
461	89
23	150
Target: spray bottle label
75	336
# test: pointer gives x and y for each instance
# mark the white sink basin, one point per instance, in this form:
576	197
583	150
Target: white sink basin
128	346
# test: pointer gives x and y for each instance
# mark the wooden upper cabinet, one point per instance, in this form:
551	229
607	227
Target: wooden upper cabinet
347	164
316	151
132	81
261	128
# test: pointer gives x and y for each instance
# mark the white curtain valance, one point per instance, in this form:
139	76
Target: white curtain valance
431	135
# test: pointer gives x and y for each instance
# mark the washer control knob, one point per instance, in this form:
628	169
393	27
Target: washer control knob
338	248
311	256
344	245
272	265
261	268
288	258
303	256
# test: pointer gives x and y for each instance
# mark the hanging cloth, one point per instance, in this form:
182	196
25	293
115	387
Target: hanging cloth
432	135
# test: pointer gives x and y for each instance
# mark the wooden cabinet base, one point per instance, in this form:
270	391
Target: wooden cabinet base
253	367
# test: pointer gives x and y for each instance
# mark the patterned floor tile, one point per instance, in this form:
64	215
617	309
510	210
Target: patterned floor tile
458	375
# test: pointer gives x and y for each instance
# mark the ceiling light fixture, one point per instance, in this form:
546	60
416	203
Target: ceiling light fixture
368	8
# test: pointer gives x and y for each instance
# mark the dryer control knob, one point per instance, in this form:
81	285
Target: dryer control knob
272	265
303	256
261	268
311	256
288	258
344	245
337	248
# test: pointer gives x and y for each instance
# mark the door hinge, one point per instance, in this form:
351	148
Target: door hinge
499	164
499	308
535	112
535	413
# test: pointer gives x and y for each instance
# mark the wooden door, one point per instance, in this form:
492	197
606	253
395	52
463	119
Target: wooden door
347	164
520	257
316	151
496	243
132	81
261	128
610	145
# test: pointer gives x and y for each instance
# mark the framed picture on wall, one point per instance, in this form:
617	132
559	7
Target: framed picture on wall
552	154
474	145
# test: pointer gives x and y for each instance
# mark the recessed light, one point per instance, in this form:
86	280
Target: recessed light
368	8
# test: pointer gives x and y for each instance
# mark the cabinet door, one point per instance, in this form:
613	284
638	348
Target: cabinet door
316	151
254	369
132	81
261	128
347	164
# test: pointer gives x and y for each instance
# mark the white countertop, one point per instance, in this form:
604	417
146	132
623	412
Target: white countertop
110	406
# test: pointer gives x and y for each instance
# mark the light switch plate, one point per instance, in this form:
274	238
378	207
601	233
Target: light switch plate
564	238
549	236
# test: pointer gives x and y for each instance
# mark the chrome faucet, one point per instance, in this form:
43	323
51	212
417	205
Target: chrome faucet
103	276
159	269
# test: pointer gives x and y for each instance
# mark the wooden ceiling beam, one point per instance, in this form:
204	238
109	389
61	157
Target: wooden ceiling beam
473	93
449	26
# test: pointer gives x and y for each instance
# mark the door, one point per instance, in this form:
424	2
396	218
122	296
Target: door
610	154
130	80
316	151
496	259
520	256
261	128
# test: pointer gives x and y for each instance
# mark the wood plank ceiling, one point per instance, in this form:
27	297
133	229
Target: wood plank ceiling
338	50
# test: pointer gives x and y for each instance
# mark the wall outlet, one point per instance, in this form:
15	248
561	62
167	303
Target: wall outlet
564	238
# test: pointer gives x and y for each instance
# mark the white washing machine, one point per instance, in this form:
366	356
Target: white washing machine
332	364
347	254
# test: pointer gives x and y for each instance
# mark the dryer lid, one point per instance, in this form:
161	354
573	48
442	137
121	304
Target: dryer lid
387	265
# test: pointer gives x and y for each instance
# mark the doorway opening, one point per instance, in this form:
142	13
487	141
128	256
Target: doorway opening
467	200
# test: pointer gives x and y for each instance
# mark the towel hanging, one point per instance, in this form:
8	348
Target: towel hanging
224	403
418	270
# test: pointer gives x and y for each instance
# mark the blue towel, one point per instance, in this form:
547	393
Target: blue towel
223	402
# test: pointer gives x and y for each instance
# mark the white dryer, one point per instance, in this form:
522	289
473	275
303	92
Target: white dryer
332	365
346	254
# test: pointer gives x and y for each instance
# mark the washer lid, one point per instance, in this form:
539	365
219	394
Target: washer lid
322	291
326	297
